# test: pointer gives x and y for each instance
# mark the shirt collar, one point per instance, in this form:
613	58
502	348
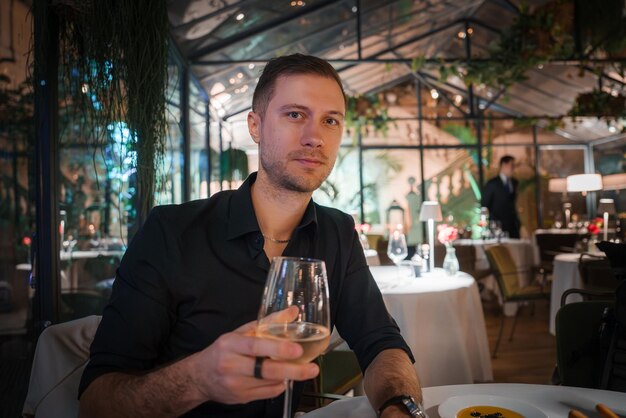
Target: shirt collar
504	178
241	216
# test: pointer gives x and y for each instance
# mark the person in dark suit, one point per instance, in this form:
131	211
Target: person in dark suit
499	195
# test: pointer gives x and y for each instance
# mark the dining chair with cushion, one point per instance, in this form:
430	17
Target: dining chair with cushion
61	354
509	278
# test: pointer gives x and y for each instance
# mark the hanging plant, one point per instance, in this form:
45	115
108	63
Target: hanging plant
600	104
534	38
113	58
365	112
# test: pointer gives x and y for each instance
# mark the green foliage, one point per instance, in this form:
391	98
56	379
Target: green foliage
600	104
114	58
233	165
533	39
367	112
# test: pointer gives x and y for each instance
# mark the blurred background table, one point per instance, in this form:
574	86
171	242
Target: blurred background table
441	319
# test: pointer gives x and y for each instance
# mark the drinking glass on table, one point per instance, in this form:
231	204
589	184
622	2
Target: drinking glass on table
397	249
301	283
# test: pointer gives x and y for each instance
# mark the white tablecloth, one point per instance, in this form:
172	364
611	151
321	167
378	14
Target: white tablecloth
553	401
565	276
441	319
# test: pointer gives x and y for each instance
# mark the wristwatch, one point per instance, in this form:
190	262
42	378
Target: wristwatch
405	401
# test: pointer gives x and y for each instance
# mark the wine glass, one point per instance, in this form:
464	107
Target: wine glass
397	249
302	283
496	227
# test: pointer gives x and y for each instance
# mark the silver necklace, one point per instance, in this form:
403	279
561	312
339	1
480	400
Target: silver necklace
277	241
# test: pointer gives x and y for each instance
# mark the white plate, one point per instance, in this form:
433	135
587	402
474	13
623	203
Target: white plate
451	406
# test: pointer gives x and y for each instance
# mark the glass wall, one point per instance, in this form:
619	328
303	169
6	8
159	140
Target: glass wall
198	158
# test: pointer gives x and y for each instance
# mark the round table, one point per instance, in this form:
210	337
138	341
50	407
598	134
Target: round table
553	401
442	321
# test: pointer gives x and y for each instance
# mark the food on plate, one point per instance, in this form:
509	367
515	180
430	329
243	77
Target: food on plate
485	411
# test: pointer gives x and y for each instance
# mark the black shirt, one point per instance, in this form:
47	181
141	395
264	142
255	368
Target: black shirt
196	271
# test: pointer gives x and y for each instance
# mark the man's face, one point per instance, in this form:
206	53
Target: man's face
508	168
300	133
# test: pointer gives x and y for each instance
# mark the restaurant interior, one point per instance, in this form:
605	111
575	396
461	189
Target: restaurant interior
109	108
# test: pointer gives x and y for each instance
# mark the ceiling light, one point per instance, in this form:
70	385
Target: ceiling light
449	114
354	9
240	16
240	75
232	81
221	112
251	66
458	99
470	31
612	129
434	94
461	35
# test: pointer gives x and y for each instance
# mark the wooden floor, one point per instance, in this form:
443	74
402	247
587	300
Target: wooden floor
531	356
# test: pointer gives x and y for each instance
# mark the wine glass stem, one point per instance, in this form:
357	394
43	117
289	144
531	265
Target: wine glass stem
288	395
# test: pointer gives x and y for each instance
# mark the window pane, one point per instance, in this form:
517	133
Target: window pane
560	163
199	163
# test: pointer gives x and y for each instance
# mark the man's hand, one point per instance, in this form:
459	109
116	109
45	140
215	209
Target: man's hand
223	372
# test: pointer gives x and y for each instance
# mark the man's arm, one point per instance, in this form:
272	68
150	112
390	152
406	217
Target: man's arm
391	374
223	372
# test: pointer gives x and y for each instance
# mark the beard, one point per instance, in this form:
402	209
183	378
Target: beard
277	171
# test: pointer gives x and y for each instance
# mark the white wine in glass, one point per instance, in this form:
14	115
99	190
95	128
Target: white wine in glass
301	283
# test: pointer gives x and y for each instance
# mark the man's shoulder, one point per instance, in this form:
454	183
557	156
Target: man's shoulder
179	216
335	216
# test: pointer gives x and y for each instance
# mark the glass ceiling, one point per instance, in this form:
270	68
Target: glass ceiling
227	42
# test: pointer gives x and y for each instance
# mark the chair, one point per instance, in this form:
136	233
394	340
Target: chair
616	254
339	373
578	343
508	278
466	254
595	273
60	357
381	248
550	245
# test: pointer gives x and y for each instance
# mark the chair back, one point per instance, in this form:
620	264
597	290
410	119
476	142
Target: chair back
61	354
505	270
616	254
552	244
578	343
595	273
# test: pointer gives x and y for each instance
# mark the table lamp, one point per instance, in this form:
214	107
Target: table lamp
606	207
584	183
431	212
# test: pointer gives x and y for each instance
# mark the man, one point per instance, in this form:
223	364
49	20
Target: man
499	197
177	336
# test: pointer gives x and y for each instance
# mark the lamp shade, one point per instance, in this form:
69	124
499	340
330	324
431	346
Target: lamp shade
606	206
584	183
431	210
557	185
614	181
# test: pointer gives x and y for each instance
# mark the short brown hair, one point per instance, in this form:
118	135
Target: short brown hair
506	159
289	65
